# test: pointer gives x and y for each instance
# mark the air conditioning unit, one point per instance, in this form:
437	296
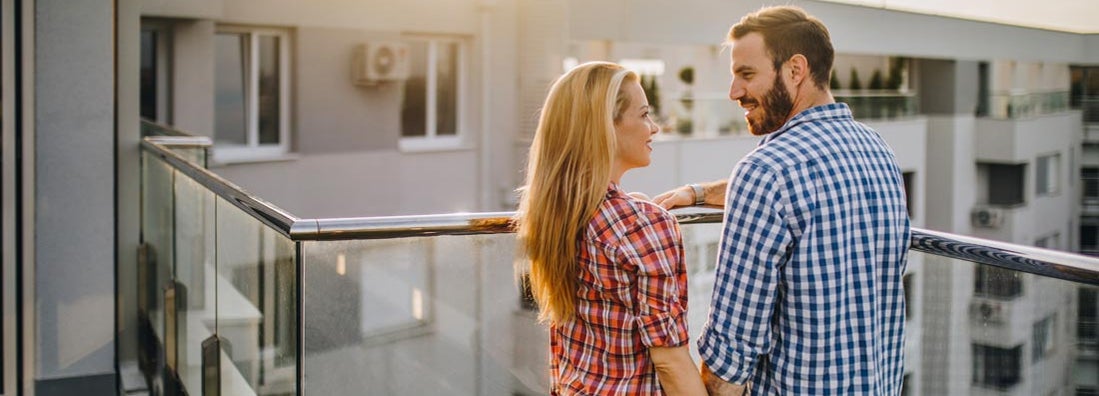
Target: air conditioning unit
987	311
986	217
380	61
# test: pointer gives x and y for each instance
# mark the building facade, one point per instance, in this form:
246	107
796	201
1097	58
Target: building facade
371	108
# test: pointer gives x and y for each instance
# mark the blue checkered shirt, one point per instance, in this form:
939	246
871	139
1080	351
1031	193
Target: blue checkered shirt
808	297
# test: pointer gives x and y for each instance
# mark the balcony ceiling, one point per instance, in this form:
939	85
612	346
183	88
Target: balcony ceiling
1075	16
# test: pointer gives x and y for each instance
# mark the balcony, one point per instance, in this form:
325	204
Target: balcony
1013	105
238	295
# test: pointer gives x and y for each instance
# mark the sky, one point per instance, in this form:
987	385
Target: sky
1077	16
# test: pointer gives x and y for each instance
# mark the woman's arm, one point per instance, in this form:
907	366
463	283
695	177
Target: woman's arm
676	371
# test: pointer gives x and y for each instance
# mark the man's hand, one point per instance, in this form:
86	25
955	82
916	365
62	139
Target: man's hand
682	196
716	386
713	193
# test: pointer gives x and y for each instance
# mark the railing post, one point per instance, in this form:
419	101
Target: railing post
211	366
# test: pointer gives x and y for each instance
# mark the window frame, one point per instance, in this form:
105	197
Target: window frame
252	150
1051	164
431	141
162	69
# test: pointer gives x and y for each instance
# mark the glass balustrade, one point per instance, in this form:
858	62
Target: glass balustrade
1029	104
879	105
438	309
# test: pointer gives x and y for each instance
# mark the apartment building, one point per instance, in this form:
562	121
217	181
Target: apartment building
372	108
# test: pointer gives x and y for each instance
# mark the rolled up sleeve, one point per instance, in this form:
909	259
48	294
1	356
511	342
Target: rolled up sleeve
752	250
655	248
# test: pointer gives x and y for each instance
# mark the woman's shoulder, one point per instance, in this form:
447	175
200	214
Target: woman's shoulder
632	213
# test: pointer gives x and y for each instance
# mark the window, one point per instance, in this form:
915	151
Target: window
995	367
154	73
1003	183
251	91
909	180
1043	338
1051	241
431	111
1047	175
1087	323
1089	235
997	282
907	280
1090	177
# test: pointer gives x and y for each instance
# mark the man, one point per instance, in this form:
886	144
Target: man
808	297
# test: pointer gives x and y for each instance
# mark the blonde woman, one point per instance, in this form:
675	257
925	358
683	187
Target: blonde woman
606	269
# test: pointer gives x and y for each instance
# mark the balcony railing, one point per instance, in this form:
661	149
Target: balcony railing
1027	104
240	296
879	105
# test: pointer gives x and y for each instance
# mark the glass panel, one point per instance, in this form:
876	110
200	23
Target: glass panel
154	266
880	106
414	102
256	305
157	235
270	95
419	316
148	74
444	315
446	89
195	276
230	90
239	250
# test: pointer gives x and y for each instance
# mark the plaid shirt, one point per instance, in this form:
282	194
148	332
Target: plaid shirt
632	296
808	298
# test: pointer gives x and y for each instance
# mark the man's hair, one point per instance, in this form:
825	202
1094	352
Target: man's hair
788	31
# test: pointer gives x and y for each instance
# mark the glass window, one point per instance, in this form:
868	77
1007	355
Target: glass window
908	279
430	110
997	282
1089	235
1047	175
996	367
154	63
909	184
1090	176
1005	184
1087	324
250	94
1043	338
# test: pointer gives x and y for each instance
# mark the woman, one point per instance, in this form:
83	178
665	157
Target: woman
606	269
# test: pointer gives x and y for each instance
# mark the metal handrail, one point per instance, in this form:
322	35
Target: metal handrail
1044	262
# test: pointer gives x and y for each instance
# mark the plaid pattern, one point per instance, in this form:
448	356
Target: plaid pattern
808	298
632	296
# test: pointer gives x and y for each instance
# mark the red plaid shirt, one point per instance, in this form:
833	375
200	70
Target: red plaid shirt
632	296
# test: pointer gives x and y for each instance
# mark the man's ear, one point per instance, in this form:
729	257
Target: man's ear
796	68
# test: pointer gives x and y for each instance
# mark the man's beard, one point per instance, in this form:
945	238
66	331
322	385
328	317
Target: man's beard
776	106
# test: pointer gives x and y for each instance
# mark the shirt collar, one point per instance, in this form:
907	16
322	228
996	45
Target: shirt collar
831	110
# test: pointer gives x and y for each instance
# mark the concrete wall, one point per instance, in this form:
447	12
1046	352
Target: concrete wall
877	31
74	191
338	129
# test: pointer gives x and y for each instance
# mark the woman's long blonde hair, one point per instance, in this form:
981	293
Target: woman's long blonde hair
568	171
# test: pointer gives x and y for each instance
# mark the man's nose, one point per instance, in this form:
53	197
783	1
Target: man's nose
735	91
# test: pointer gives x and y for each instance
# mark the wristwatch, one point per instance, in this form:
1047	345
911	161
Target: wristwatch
700	195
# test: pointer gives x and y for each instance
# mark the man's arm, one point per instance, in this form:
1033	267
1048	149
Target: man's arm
713	194
716	386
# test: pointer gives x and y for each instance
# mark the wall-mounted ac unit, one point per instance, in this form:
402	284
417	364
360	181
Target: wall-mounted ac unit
986	217
988	311
380	61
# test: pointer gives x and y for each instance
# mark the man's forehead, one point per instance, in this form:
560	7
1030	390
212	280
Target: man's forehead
748	52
